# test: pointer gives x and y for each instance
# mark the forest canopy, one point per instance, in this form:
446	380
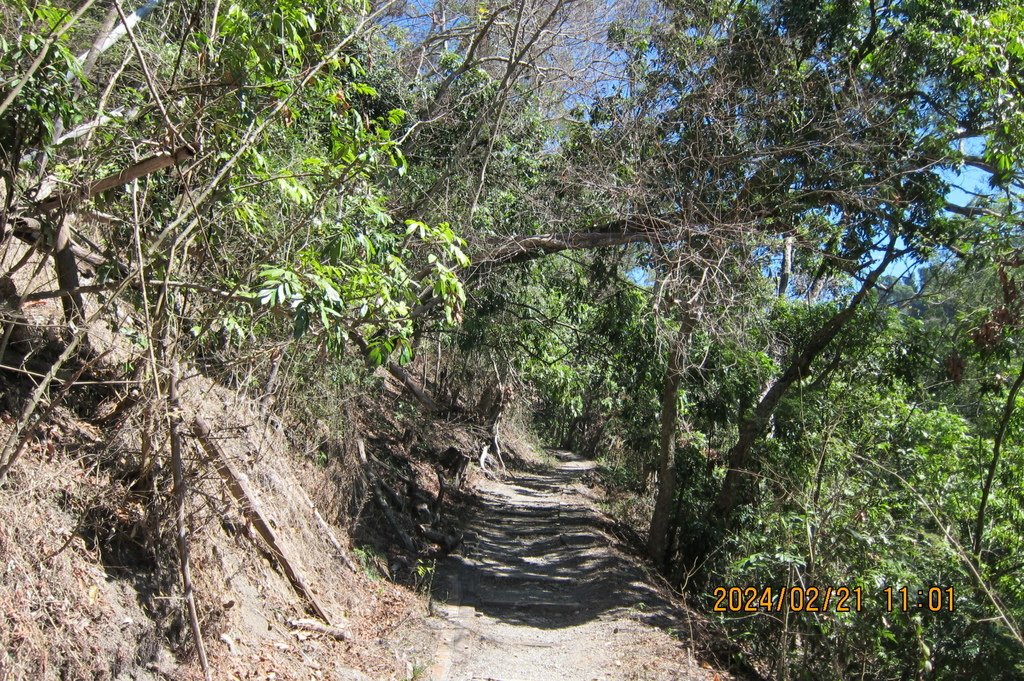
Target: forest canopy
762	260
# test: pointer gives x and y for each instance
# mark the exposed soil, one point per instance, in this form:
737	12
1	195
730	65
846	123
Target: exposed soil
541	590
89	581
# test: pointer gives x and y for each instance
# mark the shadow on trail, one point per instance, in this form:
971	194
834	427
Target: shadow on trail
535	557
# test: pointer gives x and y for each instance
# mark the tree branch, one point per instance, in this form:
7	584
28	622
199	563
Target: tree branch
146	166
976	212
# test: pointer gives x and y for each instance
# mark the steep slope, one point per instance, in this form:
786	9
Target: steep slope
90	582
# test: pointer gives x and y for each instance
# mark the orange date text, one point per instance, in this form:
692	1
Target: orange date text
738	599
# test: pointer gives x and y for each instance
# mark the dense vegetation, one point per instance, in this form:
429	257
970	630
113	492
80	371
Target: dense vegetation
763	260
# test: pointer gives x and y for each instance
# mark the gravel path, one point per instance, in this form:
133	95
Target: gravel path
541	593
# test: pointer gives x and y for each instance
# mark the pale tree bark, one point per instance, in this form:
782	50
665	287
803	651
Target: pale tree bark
64	259
64	248
108	35
787	266
653	230
661	230
817	283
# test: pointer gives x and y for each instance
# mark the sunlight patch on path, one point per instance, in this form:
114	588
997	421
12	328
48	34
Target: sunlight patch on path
541	592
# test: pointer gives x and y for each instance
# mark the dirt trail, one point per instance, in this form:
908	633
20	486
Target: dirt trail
540	592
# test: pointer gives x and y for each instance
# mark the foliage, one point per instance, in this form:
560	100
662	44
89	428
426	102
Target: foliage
751	212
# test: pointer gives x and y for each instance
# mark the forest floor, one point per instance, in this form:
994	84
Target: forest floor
542	589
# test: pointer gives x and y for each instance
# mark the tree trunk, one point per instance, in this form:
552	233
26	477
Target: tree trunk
656	539
787	266
270	392
754	425
818	281
67	274
180	494
661	519
997	446
678	569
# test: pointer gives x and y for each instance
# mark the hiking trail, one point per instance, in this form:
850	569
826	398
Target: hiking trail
541	591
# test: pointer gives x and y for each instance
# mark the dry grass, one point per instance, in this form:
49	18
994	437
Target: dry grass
65	616
89	587
89	581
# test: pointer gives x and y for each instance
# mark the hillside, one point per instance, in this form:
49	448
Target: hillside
297	299
281	588
92	588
